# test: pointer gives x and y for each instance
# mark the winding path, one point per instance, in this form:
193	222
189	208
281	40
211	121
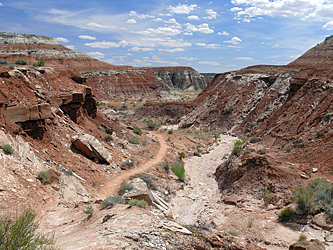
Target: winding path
112	187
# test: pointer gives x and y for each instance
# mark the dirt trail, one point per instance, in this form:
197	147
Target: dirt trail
112	187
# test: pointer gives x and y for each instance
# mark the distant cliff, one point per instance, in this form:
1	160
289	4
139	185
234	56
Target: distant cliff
180	77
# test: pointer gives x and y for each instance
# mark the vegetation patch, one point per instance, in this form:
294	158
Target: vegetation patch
111	201
133	141
179	171
21	61
138	203
43	177
88	210
237	147
7	149
125	187
137	130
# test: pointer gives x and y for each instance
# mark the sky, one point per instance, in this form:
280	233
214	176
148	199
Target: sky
209	36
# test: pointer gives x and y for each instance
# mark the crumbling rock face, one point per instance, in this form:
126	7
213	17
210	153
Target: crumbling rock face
180	77
92	148
170	109
313	244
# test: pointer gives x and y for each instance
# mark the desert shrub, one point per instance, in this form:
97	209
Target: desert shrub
329	133
137	130
291	167
181	155
229	109
267	107
108	137
139	203
128	164
19	233
179	171
328	116
7	149
268	195
11	66
217	134
233	232
170	132
253	124
166	166
237	147
43	177
152	125
250	222
123	106
254	139
145	177
245	152
21	61
144	143
124	187
3	61
198	150
262	151
285	214
302	237
88	210
133	141
177	117
111	201
304	198
39	63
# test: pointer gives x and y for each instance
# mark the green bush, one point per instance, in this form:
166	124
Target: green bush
152	125
39	63
302	237
134	141
21	61
178	116
254	139
179	171
108	137
181	155
250	222
166	166
11	66
170	132
137	130
198	150
262	151
304	198
7	149
285	214
253	124
88	210
43	177
111	201
237	147
128	164
124	187
268	195
19	233
3	61
139	203
328	116
233	232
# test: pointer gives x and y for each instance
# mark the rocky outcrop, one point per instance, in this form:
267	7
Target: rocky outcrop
313	244
92	148
20	113
180	77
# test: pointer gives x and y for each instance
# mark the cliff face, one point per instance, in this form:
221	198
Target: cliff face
180	77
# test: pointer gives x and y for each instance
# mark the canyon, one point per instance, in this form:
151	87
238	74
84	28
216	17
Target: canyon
76	118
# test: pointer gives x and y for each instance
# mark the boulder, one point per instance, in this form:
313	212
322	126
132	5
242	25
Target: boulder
140	191
321	221
313	244
92	148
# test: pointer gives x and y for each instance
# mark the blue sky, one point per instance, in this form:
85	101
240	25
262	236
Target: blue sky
210	36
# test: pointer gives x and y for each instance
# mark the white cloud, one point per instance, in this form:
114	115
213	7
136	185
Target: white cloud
61	39
234	40
107	45
193	17
209	46
319	10
87	37
224	33
145	58
128	54
188	33
209	63
110	60
167	31
72	47
182	8
142	49
157	19
188	58
131	21
97	55
211	14
244	58
202	28
328	26
142	16
153	42
97	25
173	50
1	4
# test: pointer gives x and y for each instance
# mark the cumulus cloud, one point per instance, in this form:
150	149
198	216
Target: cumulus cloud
1	4
209	46
72	47
131	21
328	26
97	25
142	16
211	14
209	63
182	8
167	31
157	20
224	33
172	50
87	37
153	42
315	10
142	49
244	58
193	17
61	39
188	58
106	45
202	28
234	40
110	60
97	55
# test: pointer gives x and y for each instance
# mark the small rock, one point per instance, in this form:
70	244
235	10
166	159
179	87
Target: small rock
217	244
314	170
304	176
30	180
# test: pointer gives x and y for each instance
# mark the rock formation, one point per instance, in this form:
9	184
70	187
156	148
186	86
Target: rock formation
180	77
